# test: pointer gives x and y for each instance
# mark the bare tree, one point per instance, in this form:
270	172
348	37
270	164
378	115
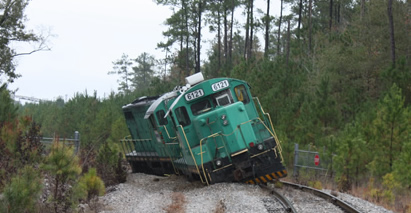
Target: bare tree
13	30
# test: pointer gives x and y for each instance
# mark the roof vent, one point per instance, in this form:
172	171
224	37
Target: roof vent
195	79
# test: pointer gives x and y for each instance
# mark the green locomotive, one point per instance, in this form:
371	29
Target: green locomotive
212	130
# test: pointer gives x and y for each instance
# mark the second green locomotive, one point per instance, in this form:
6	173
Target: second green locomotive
212	130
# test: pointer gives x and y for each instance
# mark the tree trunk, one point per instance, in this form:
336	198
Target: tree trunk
391	140
230	48
144	68
56	196
247	31
251	28
219	40
288	41
300	9
331	15
362	9
309	25
338	13
187	68
225	34
200	8
392	39
279	29
267	30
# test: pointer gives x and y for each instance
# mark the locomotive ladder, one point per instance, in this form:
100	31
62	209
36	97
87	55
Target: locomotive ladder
268	124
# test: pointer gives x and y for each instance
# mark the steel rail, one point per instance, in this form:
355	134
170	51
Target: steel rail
330	198
283	200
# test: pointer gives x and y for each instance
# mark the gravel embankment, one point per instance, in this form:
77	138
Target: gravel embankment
148	193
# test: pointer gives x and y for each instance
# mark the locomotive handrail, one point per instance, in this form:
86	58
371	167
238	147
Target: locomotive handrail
128	144
238	128
132	140
191	152
123	146
215	135
276	139
264	113
269	119
201	150
202	163
168	133
166	149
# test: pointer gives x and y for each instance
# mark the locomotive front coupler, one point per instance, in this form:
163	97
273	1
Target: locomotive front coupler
242	165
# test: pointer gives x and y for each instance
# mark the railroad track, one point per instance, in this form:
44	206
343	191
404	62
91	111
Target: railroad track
285	203
328	197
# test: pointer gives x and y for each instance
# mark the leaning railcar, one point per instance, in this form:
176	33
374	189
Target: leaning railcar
224	135
142	149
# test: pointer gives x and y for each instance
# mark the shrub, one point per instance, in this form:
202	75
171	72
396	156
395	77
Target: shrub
389	184
91	185
315	184
22	193
64	169
109	165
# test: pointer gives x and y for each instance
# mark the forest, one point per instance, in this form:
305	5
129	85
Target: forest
334	75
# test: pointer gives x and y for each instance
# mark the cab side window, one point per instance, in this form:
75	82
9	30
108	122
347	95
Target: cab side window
182	116
241	93
153	122
160	117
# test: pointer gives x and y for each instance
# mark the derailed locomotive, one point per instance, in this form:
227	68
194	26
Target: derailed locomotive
211	130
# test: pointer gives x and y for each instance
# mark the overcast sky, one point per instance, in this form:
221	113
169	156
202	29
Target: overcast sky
88	36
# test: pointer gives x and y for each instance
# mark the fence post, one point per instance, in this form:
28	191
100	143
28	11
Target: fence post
295	172
76	141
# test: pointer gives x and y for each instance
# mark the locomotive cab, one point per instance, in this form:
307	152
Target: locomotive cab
219	131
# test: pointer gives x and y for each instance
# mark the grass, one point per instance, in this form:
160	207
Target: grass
396	200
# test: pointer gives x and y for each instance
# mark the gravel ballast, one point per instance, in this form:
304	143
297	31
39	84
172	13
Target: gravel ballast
149	193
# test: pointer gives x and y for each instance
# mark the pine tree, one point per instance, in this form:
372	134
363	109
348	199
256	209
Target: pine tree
122	67
64	168
22	194
402	166
8	111
143	72
350	158
91	185
390	131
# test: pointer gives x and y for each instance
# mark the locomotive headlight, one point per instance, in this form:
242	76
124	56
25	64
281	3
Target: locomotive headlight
218	163
260	147
225	122
223	117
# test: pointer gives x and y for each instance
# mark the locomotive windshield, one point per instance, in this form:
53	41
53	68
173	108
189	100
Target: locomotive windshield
223	100
201	107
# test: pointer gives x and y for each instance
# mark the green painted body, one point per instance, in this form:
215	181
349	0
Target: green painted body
143	135
215	120
234	137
